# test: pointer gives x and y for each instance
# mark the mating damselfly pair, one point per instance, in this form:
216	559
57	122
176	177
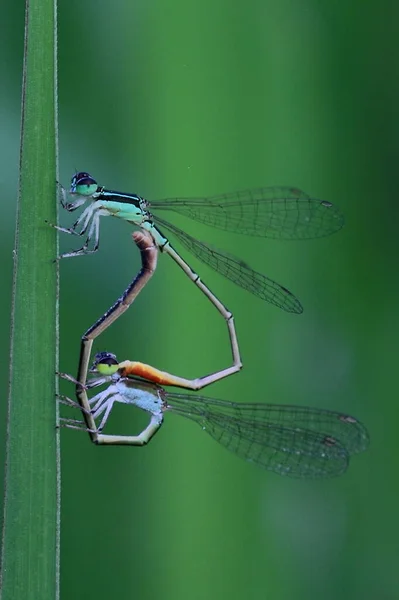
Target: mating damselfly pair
289	440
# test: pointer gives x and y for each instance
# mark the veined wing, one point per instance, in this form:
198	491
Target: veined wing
289	440
237	271
274	212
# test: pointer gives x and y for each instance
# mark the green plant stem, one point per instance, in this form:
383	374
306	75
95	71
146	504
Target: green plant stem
30	550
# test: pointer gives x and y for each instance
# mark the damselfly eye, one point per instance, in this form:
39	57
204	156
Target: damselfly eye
84	184
83	179
104	358
104	363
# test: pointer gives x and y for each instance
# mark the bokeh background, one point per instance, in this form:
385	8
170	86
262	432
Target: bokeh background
197	98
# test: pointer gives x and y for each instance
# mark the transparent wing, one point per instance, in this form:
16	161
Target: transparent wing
289	440
237	271
274	212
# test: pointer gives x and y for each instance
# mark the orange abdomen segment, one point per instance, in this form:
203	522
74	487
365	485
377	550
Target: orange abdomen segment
147	372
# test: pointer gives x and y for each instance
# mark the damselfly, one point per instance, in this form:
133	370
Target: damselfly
274	212
289	440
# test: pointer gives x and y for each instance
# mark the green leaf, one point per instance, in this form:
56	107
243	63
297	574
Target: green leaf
31	517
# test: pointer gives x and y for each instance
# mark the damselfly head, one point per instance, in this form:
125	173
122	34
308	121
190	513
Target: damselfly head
104	363
83	184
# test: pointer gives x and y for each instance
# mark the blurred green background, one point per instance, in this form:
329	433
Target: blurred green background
197	98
